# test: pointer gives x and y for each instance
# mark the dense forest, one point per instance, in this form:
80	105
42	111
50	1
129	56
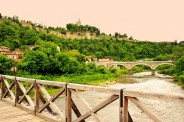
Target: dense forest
52	55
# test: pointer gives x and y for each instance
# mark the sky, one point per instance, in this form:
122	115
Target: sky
152	20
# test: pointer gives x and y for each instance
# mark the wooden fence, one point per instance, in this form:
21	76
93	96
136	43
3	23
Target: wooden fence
32	95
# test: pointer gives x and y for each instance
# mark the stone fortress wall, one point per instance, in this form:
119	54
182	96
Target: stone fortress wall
68	35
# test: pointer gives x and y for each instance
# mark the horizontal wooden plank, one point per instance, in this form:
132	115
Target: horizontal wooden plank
8	77
10	113
51	83
34	120
19	118
25	79
25	108
7	108
154	95
48	117
94	88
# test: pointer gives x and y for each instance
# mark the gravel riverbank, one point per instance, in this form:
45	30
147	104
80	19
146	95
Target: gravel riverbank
168	111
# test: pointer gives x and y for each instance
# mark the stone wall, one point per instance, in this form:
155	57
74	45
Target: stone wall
69	35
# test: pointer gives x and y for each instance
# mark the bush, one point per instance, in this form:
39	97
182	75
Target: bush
112	70
5	64
181	78
102	70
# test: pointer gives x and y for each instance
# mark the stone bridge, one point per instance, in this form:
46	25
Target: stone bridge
129	65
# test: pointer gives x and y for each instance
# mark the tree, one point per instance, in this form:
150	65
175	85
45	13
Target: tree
50	48
34	62
179	68
178	52
1	16
99	55
68	64
162	58
15	19
125	36
5	64
91	67
116	34
71	27
76	54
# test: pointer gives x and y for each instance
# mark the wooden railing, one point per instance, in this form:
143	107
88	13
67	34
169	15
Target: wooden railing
33	95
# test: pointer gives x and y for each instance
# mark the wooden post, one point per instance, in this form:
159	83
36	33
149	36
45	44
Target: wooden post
121	106
16	91
0	81
69	105
2	87
36	97
66	108
125	109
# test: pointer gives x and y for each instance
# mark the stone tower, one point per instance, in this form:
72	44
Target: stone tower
78	23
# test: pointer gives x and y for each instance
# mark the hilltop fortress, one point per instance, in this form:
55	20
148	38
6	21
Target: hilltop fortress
68	35
72	30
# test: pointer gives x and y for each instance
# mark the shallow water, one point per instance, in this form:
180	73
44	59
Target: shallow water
158	83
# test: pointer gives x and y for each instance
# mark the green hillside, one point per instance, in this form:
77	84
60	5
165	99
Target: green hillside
54	55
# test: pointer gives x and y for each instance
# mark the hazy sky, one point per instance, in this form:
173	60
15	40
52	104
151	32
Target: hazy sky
155	20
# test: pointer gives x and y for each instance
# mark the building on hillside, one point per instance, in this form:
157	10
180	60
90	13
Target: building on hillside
90	58
16	55
4	49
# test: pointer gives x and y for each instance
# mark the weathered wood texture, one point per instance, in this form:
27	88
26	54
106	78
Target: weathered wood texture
10	113
14	91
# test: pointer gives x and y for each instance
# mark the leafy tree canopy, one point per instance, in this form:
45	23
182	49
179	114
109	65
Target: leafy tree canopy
5	64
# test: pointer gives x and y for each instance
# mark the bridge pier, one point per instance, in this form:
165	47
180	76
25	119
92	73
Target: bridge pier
129	72
153	72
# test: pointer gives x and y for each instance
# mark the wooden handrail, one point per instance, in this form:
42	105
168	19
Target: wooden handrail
93	88
51	83
8	77
10	83
154	95
25	79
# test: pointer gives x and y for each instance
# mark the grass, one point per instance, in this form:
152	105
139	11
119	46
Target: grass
94	79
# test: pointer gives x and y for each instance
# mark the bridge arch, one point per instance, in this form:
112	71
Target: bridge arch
117	65
141	64
163	64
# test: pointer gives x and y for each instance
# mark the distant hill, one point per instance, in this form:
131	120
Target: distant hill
25	34
72	31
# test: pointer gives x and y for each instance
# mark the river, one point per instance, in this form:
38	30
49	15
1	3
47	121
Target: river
168	111
143	81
